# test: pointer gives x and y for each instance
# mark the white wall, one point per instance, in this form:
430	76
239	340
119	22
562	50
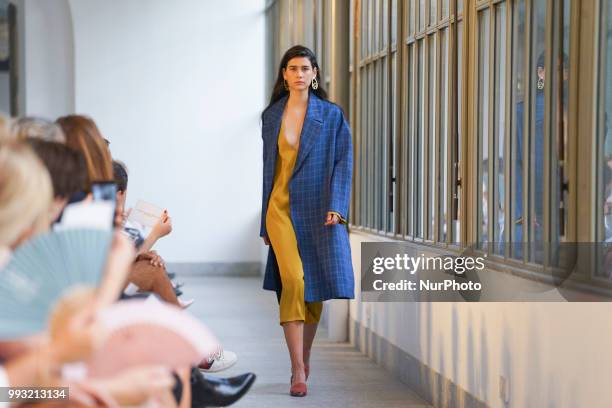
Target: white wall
177	87
46	79
553	354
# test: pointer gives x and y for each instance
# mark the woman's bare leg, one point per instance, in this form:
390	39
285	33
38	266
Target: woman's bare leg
310	331
294	336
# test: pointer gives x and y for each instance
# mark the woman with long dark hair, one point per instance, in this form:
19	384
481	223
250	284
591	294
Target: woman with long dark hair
307	172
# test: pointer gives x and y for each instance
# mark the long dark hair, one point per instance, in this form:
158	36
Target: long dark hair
279	86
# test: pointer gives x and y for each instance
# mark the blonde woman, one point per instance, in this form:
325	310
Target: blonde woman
25	195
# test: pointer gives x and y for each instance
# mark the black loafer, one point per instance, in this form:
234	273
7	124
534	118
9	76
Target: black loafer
218	392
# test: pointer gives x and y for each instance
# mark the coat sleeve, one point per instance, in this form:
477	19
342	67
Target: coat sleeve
342	174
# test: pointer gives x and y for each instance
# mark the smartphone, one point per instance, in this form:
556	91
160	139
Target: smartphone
105	191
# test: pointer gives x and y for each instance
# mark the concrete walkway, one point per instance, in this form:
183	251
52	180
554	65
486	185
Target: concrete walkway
244	317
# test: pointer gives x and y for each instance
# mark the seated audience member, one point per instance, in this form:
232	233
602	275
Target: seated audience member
67	169
141	277
148	272
83	135
37	128
25	197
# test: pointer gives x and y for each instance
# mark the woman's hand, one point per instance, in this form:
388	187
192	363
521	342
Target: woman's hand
163	226
266	240
332	219
153	258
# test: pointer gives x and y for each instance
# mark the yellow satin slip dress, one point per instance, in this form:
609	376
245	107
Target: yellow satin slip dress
284	242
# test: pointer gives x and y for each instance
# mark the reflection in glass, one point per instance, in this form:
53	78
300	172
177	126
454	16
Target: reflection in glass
483	124
517	162
536	146
445	8
499	126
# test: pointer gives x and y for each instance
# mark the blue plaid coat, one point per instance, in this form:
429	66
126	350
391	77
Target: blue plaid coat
321	182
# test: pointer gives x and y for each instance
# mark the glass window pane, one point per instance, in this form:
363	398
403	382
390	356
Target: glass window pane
444	8
560	82
393	21
443	180
363	148
433	12
385	145
433	114
407	186
456	225
411	17
385	23
536	145
394	137
421	15
483	125
418	142
375	25
518	121
364	26
371	144
459	6
605	122
500	127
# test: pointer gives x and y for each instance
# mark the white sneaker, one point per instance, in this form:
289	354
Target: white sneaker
221	360
186	303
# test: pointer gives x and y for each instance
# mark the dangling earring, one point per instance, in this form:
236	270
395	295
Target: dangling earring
285	83
315	83
540	83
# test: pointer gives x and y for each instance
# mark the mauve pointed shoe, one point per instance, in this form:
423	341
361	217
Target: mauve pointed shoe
298	390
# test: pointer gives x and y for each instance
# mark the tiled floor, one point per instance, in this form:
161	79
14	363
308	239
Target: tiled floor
244	317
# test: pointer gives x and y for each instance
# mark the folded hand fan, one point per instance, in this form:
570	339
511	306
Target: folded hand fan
141	332
44	268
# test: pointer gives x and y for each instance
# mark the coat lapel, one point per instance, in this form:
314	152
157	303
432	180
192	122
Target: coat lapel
310	130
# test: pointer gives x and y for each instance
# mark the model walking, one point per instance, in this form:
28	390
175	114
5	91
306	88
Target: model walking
307	174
